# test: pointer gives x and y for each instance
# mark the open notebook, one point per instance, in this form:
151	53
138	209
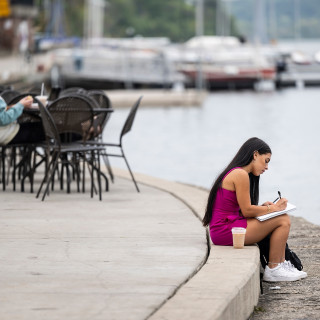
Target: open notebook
290	207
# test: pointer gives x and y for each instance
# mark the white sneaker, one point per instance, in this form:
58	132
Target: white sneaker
289	266
279	273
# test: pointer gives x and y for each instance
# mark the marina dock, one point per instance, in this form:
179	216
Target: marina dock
19	73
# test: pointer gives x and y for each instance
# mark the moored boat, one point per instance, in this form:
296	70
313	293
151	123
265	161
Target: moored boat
225	61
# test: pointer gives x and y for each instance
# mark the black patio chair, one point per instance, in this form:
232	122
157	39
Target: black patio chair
103	102
8	95
5	87
54	93
69	115
73	115
125	129
72	90
101	97
3	166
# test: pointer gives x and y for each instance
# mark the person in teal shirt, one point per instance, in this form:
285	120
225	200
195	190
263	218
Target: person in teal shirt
11	114
11	131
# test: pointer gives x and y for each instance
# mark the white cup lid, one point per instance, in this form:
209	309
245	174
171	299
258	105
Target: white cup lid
238	230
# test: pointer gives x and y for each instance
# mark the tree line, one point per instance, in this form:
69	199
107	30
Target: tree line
175	19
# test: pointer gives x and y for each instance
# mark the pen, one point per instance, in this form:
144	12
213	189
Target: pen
279	193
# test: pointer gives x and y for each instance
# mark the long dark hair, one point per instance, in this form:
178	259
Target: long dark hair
243	157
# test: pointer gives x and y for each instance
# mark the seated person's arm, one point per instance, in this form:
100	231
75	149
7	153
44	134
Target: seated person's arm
8	116
242	186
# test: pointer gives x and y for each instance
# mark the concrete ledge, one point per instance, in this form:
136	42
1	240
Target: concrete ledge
226	287
157	97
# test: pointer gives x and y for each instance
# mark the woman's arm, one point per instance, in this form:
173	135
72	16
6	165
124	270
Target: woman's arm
7	116
242	187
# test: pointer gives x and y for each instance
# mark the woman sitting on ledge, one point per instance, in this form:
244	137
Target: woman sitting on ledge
233	202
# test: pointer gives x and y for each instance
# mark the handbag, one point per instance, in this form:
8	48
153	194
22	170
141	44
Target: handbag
8	132
264	246
293	258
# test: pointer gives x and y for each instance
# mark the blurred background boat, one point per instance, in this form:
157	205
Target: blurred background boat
118	63
132	61
224	62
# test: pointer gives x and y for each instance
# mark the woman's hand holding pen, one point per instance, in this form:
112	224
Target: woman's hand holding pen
278	204
281	204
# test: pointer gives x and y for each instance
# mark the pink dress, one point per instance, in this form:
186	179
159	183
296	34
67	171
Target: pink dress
225	216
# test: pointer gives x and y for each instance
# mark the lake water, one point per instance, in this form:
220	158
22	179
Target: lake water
193	144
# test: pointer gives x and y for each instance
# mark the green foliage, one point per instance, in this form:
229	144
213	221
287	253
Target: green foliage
284	23
74	17
151	18
175	19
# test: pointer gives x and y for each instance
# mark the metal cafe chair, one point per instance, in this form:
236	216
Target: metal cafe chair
100	121
72	90
125	129
102	102
5	87
8	95
102	113
54	93
69	115
3	160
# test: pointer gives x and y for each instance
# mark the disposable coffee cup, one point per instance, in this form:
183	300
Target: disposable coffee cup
42	99
238	235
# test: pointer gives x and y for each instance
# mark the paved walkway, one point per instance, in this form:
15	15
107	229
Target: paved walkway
137	256
72	257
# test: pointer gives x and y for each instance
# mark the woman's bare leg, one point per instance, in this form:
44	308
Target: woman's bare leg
278	227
